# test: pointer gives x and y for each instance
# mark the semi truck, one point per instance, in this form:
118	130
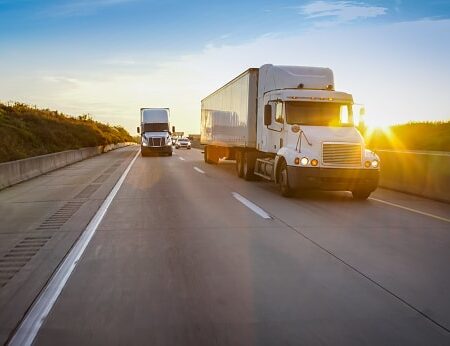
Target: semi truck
288	125
155	131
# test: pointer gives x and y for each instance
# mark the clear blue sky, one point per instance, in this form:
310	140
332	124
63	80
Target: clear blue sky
110	57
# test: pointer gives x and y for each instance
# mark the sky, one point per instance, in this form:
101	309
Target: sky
109	58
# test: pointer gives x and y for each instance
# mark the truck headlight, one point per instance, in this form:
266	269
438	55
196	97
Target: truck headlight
304	161
375	164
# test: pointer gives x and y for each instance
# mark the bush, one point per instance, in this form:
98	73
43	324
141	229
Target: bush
26	131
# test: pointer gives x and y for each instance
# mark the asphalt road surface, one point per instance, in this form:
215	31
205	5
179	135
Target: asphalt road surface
189	254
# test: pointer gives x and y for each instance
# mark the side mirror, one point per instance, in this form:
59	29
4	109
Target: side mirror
267	115
138	130
173	129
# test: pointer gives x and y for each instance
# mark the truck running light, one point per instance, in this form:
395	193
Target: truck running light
297	161
314	162
367	164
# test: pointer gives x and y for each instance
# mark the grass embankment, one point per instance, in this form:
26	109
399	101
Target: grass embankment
433	136
26	131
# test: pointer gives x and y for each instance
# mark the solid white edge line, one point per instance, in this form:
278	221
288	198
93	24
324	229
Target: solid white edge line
251	205
35	317
410	209
199	170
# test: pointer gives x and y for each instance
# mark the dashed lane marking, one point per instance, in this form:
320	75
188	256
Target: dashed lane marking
251	206
199	170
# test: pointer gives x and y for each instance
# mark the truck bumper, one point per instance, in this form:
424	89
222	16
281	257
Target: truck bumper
167	149
333	179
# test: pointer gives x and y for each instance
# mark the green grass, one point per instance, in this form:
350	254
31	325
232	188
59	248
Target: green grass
26	131
412	136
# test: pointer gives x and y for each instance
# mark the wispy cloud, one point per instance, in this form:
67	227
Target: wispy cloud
80	7
340	11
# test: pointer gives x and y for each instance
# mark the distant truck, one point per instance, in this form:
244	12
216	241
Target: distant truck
155	131
287	124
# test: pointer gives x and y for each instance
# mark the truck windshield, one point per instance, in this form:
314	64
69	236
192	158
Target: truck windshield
155	127
319	114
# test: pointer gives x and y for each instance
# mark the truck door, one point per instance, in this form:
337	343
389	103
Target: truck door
275	131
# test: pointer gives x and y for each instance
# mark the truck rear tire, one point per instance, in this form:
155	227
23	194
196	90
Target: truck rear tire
283	181
210	155
248	165
239	163
361	195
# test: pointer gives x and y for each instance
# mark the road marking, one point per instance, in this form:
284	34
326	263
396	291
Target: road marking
181	158
42	306
199	170
251	206
410	209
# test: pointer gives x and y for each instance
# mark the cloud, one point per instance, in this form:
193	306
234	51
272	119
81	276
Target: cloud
340	11
80	7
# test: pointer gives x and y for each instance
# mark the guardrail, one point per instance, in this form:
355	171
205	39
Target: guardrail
15	172
423	173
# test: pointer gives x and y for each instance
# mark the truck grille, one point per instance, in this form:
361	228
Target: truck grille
156	141
347	154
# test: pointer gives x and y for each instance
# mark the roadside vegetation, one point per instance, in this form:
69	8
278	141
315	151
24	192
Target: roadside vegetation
434	136
26	131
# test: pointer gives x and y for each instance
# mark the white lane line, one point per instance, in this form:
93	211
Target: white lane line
181	158
251	206
37	314
199	170
410	209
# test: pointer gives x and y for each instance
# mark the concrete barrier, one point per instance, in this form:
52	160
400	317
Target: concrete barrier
422	173
14	172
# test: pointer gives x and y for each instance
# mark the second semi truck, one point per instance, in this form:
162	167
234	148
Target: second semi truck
155	131
287	124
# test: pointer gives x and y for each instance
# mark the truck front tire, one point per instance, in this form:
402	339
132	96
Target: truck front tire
283	180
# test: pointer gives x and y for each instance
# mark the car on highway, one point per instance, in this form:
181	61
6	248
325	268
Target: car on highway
183	143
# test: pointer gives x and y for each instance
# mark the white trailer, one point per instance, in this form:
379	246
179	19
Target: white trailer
287	124
155	131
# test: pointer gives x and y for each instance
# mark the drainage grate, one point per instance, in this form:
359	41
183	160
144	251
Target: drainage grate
101	179
87	191
18	256
59	218
112	168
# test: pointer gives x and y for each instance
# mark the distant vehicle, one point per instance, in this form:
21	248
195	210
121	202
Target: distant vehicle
183	143
155	133
287	124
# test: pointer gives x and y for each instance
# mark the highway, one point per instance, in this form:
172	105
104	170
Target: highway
189	254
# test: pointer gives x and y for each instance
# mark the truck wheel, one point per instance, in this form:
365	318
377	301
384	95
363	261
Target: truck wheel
239	163
211	156
248	165
283	180
361	195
